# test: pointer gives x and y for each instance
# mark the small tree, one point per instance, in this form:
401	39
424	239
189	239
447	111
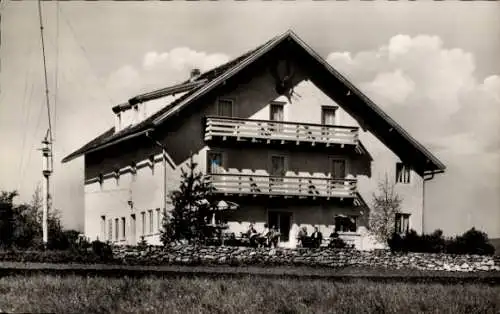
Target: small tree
386	204
7	218
191	207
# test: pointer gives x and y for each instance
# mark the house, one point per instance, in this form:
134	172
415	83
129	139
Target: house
280	132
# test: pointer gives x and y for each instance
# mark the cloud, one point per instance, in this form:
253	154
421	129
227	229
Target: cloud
430	89
183	59
160	69
434	93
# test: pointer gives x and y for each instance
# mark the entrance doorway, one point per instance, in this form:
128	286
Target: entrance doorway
282	221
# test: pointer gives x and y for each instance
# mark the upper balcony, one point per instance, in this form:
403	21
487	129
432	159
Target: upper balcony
267	131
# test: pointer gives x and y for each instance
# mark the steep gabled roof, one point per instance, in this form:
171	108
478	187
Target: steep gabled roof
110	137
377	121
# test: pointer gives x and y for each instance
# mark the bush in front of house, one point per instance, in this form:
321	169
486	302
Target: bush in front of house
338	243
93	253
471	242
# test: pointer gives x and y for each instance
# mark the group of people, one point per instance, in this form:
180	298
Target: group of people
315	239
268	237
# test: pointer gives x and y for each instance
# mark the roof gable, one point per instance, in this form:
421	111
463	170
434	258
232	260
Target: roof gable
322	74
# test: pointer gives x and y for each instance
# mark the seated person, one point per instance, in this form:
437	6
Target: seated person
301	236
274	236
334	235
335	240
252	235
316	237
264	236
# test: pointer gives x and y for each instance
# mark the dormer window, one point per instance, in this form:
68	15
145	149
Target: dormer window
402	173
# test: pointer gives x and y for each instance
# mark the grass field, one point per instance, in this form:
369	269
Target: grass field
73	294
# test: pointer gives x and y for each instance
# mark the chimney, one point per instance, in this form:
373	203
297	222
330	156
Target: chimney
194	74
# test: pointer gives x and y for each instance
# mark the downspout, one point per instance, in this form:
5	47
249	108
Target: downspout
164	156
423	196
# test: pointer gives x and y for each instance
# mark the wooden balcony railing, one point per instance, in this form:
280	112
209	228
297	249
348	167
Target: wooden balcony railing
283	186
258	130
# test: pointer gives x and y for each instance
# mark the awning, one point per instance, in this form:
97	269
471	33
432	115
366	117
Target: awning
225	205
220	205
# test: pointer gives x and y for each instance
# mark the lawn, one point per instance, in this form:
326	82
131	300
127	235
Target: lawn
72	294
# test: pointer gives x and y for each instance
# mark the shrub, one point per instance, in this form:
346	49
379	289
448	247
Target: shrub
142	243
395	242
471	242
102	250
338	243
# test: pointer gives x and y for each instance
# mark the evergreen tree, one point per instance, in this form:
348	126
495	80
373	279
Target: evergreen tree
191	207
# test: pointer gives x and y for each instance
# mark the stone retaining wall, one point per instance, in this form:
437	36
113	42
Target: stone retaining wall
191	255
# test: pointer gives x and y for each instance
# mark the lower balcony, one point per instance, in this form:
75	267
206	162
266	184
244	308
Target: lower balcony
287	186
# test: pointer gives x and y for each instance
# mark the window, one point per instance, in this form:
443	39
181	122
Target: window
152	163
100	179
225	108
345	223
133	171
215	162
136	114
110	230
276	113
328	115
278	168
117	229
402	223
132	227
402	173
338	169
117	176
123	228
150	213
158	219
103	227
119	117
143	223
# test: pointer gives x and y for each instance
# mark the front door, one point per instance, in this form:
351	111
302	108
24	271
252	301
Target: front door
281	221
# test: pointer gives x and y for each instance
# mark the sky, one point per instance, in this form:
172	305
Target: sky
432	66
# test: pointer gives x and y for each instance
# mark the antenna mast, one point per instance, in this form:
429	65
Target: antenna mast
46	143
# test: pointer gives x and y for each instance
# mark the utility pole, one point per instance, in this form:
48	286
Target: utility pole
47	171
47	148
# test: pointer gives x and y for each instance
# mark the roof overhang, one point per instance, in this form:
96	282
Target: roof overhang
107	144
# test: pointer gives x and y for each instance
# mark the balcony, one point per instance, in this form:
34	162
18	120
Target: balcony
287	186
266	131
